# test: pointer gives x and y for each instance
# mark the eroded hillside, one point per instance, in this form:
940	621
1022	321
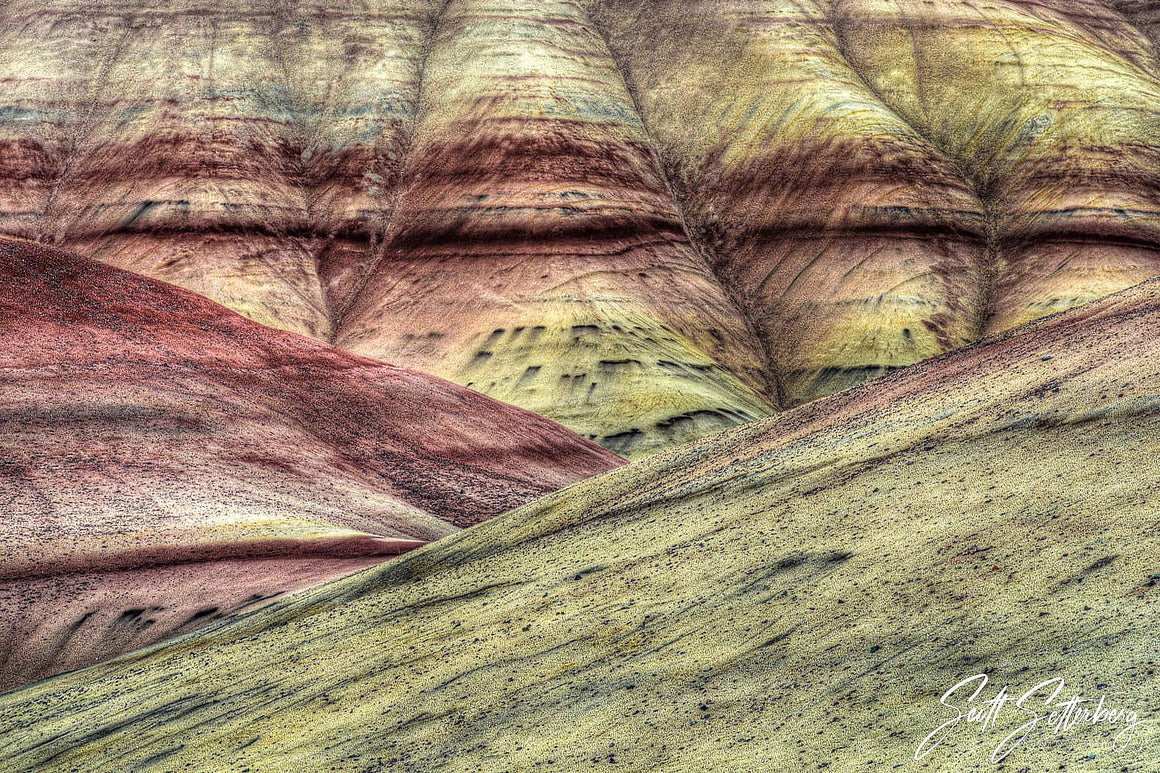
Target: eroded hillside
647	219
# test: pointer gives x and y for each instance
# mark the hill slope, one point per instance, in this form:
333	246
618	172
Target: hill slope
647	219
795	594
166	461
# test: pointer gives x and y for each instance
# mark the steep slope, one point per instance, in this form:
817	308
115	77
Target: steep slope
882	181
855	244
537	255
795	594
647	219
166	462
1051	109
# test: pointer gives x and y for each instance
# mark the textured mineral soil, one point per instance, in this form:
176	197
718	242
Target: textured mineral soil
795	594
165	462
647	219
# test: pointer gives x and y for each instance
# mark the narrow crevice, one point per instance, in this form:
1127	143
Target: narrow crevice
986	300
773	379
377	253
302	136
983	192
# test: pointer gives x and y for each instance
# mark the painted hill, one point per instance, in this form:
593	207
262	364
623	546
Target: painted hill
167	462
538	252
796	594
647	219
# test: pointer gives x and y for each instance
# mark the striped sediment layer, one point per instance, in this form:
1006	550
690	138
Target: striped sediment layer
853	243
1049	108
793	594
241	152
537	255
163	454
882	182
647	219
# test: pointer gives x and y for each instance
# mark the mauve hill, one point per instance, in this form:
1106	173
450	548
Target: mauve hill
795	594
165	462
647	219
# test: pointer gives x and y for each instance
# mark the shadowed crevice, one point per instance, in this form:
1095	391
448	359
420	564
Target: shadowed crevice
982	193
773	381
400	188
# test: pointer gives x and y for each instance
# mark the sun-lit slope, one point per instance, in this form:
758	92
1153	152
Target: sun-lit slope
855	245
1052	110
537	254
165	460
795	594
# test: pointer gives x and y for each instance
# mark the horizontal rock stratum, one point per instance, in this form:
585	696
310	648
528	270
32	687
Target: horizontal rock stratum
647	219
795	594
165	462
